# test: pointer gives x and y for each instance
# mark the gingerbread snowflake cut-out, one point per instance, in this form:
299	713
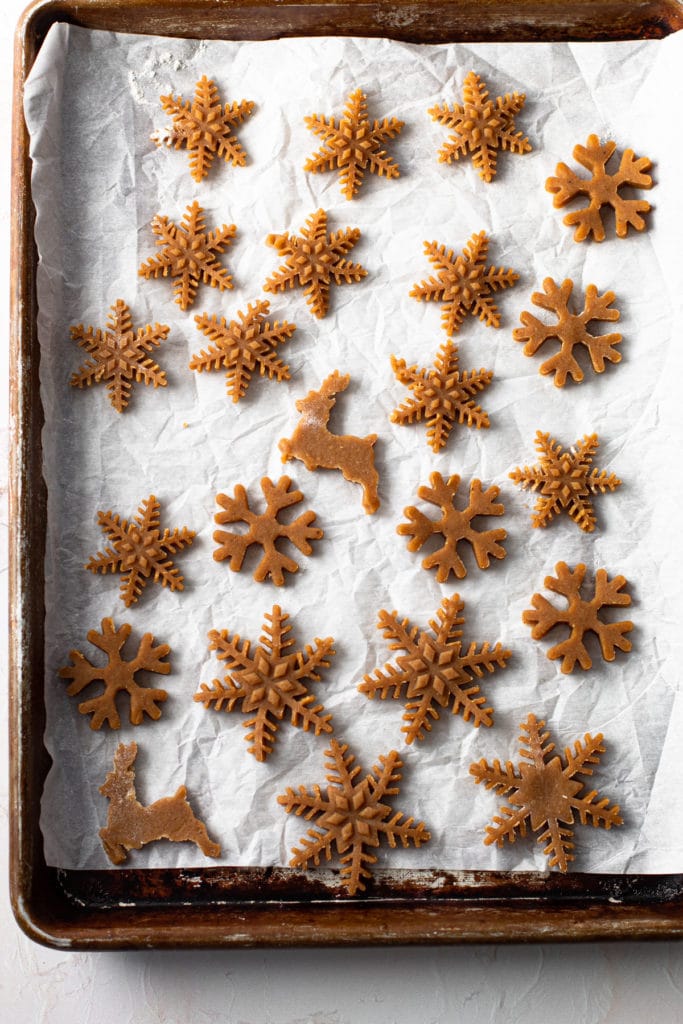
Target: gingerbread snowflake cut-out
189	253
436	669
580	616
314	260
570	329
455	526
351	816
242	346
601	189
443	396
118	355
118	676
354	146
269	682
205	127
481	126
464	283
140	551
546	793
265	529
565	480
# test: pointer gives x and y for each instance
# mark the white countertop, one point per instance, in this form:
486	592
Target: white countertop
575	984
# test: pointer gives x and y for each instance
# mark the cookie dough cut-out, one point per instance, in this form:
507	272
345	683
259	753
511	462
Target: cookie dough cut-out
443	396
242	346
354	146
601	189
189	253
318	448
580	616
140	551
270	682
119	356
436	671
481	127
464	283
351	816
265	529
570	329
454	526
546	793
205	127
565	480
314	260
130	825
118	676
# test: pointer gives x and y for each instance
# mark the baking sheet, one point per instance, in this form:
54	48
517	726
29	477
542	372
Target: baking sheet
91	105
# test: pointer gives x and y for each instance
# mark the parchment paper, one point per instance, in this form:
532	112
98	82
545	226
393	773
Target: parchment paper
92	103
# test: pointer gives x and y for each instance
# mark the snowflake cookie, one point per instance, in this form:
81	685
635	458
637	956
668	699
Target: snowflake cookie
354	146
464	283
269	682
570	329
565	480
601	189
545	793
318	448
118	355
314	260
189	253
481	126
351	816
243	345
265	529
455	526
139	550
118	676
443	396
580	616
436	669
205	127
130	825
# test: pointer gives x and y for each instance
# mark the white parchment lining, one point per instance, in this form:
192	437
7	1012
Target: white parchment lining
92	103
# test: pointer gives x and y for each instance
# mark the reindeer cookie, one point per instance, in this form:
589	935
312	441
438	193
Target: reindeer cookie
317	448
131	826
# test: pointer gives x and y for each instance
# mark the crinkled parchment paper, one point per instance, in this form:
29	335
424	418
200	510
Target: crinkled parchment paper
92	103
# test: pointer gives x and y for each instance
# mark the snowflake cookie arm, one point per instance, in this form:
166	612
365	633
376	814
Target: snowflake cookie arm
579	760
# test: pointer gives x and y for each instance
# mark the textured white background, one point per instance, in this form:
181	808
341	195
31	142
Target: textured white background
610	983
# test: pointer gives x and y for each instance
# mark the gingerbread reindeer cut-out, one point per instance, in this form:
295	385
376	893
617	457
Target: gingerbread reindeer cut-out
314	445
130	825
